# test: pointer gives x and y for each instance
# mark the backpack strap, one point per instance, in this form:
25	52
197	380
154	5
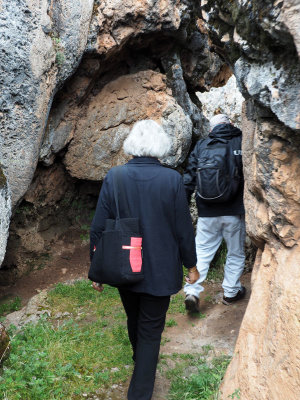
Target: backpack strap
119	189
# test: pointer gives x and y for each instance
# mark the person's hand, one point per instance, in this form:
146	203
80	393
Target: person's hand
97	286
193	275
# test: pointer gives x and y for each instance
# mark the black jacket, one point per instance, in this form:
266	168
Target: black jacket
234	206
157	197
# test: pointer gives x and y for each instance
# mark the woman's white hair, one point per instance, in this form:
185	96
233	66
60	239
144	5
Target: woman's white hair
147	139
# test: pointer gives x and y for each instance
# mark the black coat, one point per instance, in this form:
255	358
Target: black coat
157	197
234	206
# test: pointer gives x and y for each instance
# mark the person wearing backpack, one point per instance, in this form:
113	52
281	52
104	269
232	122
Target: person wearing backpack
215	170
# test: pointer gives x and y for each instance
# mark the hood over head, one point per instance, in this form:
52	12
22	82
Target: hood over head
226	131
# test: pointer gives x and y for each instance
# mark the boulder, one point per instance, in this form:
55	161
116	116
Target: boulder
99	134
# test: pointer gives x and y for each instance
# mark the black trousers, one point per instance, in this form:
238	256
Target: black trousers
146	315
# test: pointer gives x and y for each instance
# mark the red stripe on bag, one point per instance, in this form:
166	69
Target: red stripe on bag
135	255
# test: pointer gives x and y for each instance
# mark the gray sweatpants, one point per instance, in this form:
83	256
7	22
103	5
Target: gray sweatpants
210	232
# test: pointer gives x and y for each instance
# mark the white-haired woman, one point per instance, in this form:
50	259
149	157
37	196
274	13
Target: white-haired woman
157	197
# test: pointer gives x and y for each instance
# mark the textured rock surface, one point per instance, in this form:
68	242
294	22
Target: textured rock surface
226	99
273	87
133	37
174	72
115	22
266	361
101	130
5	213
262	38
290	17
47	40
4	344
31	313
55	207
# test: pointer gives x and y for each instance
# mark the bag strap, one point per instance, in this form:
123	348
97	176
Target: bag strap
119	189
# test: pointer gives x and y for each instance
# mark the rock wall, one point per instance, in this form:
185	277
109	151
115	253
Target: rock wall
100	133
64	60
5	213
260	40
47	40
56	212
265	365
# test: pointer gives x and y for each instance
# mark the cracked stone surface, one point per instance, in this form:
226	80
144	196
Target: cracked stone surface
226	99
31	71
268	346
99	135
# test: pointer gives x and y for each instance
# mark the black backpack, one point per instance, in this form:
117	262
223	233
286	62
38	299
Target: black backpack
218	177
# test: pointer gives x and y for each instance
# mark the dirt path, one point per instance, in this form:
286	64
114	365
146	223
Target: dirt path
69	260
218	328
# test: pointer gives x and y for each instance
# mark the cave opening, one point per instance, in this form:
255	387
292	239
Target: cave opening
60	201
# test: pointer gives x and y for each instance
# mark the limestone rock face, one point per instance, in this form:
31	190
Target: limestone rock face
97	142
5	212
260	40
266	360
46	40
226	99
116	22
273	87
290	17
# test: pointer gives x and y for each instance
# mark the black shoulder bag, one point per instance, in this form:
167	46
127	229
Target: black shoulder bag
117	260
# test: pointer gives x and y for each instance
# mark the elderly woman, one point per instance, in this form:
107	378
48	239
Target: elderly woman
157	197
